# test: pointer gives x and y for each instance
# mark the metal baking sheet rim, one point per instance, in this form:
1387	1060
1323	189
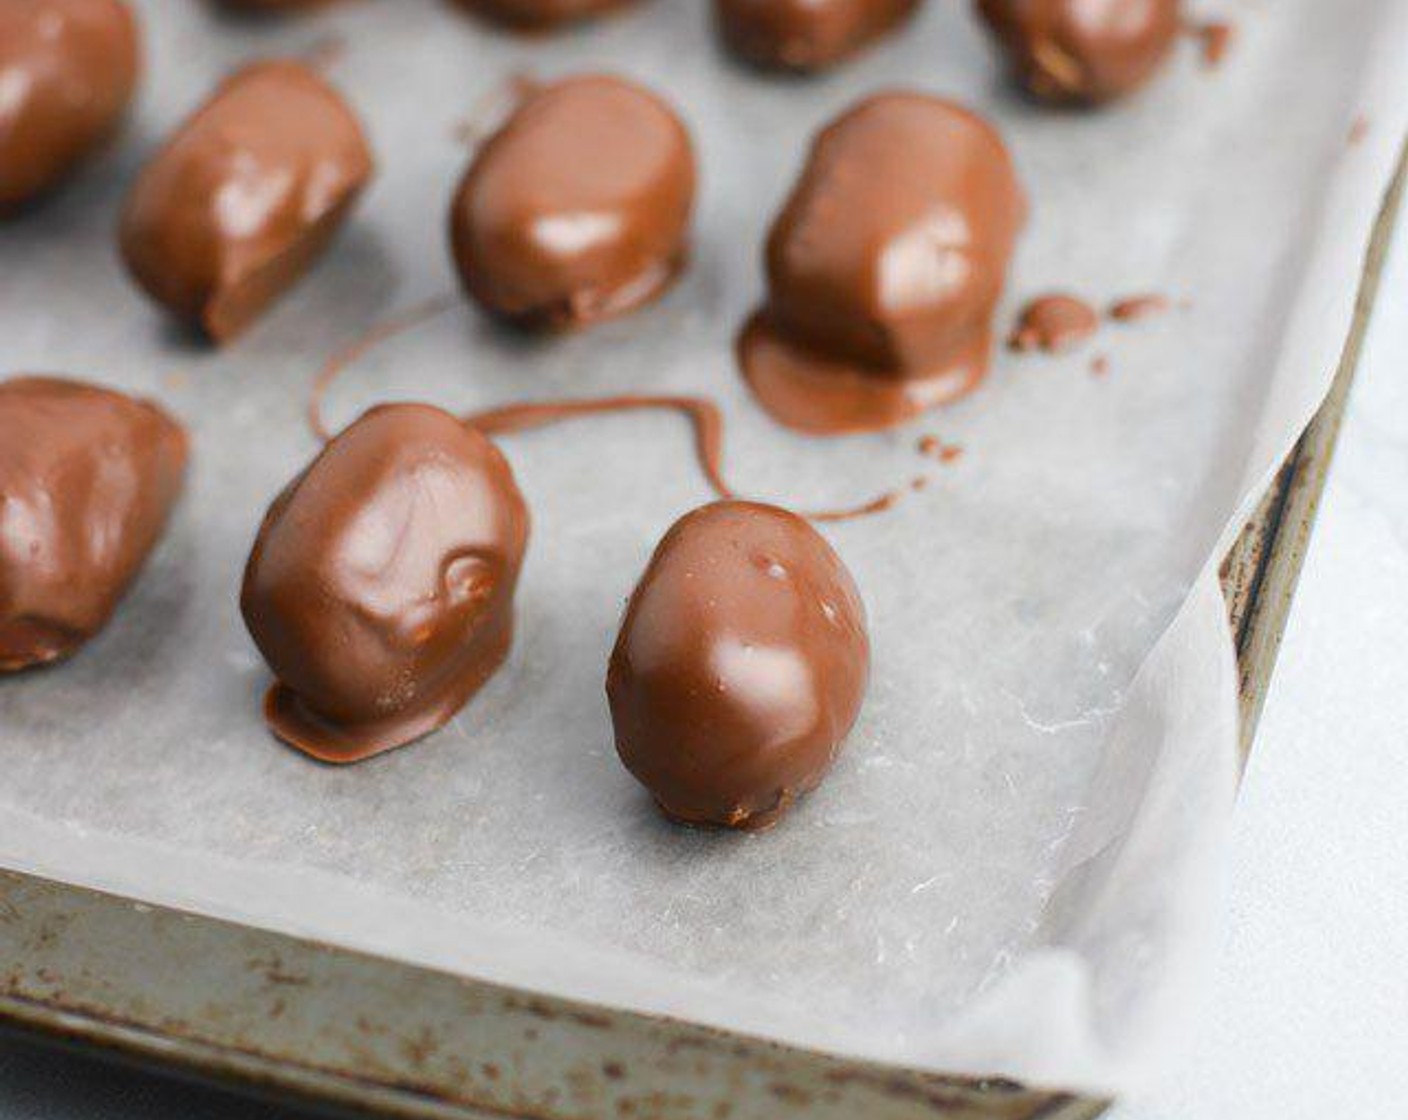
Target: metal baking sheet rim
303	1021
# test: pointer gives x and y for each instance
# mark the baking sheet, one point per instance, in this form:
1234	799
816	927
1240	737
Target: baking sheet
1014	867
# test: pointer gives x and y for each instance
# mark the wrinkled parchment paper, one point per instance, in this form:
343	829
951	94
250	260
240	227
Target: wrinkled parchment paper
1013	868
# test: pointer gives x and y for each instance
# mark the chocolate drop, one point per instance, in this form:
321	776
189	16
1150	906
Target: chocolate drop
88	477
1054	323
578	207
245	196
380	588
68	69
740	666
1076	52
884	268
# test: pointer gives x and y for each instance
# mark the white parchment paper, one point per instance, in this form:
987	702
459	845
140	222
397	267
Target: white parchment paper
1013	868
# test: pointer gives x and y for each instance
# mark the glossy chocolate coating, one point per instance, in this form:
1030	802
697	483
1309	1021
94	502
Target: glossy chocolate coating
578	207
1083	52
740	667
67	72
245	196
88	477
539	15
380	588
884	267
805	34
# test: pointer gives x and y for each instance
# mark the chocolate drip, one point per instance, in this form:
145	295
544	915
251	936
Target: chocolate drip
1054	323
334	367
1133	309
703	414
1214	38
